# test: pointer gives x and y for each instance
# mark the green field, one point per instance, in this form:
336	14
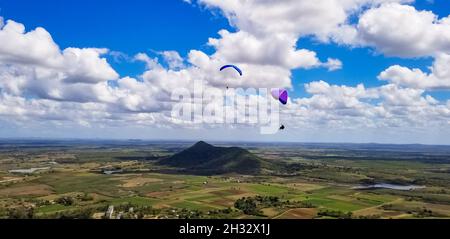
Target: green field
322	187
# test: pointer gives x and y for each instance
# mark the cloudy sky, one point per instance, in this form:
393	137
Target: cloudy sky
356	70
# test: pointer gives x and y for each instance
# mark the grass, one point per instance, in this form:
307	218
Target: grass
202	197
335	204
85	182
327	184
268	190
194	206
300	213
374	199
53	208
136	201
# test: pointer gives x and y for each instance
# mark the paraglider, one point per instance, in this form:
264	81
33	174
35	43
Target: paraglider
232	67
281	95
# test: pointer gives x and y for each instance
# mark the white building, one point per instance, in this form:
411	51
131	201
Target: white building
109	213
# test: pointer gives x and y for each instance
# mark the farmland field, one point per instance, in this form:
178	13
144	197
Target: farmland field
322	182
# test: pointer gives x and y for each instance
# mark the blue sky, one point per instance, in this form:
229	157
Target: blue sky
144	26
152	27
131	27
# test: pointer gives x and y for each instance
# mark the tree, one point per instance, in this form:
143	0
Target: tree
66	201
247	205
20	213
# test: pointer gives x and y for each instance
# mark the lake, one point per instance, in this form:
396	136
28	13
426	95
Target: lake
28	171
390	186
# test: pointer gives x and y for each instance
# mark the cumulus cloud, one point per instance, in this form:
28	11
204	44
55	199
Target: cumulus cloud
333	97
120	57
437	79
401	30
275	50
333	64
290	17
267	33
389	26
173	59
149	62
37	48
383	109
86	66
39	82
32	64
34	47
296	18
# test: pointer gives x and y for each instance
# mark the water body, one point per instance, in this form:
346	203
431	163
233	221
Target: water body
390	186
110	172
28	171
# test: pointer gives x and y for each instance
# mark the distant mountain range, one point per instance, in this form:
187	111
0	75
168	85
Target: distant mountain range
204	158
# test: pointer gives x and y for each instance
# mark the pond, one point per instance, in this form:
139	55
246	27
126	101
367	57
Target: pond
390	186
28	171
110	172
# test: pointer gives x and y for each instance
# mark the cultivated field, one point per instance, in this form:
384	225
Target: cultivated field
72	183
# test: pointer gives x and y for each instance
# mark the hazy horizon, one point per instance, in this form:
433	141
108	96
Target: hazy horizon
149	140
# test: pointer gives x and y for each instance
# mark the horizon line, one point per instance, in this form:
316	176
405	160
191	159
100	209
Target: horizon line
212	140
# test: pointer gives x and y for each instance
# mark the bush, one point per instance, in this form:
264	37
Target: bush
66	201
20	213
247	205
335	214
85	197
83	213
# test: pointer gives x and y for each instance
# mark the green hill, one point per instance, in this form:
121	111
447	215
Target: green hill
203	158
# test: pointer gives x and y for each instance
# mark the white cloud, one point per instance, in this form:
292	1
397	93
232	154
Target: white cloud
86	66
334	97
291	17
267	59
120	57
437	79
389	26
34	47
242	47
384	109
38	50
268	32
333	64
173	59
401	30
39	82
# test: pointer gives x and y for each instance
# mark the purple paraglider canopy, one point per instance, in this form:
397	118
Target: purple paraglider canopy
281	95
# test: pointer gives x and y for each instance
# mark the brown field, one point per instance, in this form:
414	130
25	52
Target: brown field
10	179
29	190
137	182
233	192
158	194
223	202
305	186
326	185
271	212
367	212
299	213
239	196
